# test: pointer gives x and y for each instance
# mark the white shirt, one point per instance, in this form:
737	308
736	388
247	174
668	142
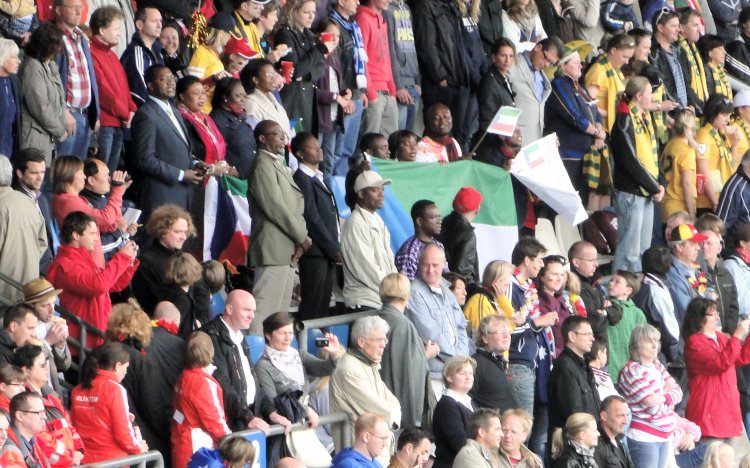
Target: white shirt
237	339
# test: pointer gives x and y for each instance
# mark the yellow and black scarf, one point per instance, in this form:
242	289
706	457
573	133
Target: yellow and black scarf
718	81
646	148
697	73
725	153
615	86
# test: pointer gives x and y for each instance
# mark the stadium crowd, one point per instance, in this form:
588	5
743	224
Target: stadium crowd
117	116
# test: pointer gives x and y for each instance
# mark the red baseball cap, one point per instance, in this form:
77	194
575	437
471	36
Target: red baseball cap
239	47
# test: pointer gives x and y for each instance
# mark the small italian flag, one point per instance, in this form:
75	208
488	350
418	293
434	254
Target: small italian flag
226	221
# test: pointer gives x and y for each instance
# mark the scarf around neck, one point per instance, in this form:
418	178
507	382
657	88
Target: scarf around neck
697	73
288	363
615	86
360	56
719	81
646	147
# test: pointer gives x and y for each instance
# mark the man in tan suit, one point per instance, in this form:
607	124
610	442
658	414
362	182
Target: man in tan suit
278	237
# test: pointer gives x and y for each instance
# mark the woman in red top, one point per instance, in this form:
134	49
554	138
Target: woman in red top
712	358
99	406
199	419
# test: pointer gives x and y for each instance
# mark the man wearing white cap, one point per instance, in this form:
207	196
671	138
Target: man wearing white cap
366	245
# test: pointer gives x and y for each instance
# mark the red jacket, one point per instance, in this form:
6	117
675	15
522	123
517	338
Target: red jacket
114	94
86	287
714	402
107	218
375	38
102	417
60	439
197	405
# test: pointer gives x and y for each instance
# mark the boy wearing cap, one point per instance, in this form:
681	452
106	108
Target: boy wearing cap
457	234
366	245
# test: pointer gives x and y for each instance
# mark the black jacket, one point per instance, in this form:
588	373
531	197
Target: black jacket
490	23
232	379
460	243
571	389
593	299
572	458
238	136
723	283
440	48
628	174
7	347
659	60
611	453
449	428
321	216
346	56
493	386
494	91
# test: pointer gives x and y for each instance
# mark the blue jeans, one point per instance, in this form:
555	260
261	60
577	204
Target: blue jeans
110	146
692	458
78	144
352	122
331	143
540	431
407	114
523	380
649	454
635	219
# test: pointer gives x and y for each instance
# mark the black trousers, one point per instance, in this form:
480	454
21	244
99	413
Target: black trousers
316	276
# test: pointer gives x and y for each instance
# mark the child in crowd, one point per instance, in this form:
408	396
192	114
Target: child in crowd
237	52
598	362
402	145
236	452
214	275
618	16
623	286
374	145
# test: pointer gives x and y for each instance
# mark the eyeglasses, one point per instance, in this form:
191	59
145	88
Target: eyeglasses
383	438
584	333
504	331
549	60
383	341
17	384
588	259
38	413
663	12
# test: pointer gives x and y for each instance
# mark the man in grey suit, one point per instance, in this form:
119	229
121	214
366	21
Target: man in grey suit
162	145
278	235
532	87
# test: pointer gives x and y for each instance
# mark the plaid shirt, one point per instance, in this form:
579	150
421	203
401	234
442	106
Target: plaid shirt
78	92
407	257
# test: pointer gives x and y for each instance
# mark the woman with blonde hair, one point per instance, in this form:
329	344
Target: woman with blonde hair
575	445
719	455
129	324
522	25
206	62
492	296
678	163
453	410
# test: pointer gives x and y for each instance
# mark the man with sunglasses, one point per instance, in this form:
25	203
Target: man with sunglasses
27	417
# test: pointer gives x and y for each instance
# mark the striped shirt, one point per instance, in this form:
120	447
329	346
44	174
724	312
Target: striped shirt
78	92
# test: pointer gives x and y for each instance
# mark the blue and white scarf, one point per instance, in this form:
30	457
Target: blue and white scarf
360	55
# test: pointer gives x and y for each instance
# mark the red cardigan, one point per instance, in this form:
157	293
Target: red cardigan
714	402
86	287
114	95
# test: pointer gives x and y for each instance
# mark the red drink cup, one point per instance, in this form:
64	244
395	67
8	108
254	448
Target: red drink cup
326	37
286	71
700	183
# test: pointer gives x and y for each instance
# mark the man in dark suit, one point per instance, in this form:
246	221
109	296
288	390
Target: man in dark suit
162	146
317	267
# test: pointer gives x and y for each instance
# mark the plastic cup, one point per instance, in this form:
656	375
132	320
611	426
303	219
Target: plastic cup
286	71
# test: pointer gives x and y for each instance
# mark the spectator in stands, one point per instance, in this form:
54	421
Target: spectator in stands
30	168
59	440
197	401
404	63
381	114
26	420
635	175
261	84
11	384
244	13
206	64
374	145
117	107
680	153
493	383
741	118
413	449
571	387
10	98
228	113
457	234
434	310
494	90
437	144
738	265
719	144
234	452
576	447
622	287
522	25
712	358
619	16
22	235
365	244
737	49
667	57
555	300
516	428
613	419
69	179
318	265
529	82
284	371
685	276
732	208
298	96
279	232
718	275
356	386
425	216
652	394
143	52
726	17
406	378
51	331
19	328
372	437
77	68
691	24
162	145
492	296
86	286
43	114
485	436
598	360
242	401
453	410
170	226
173	51
99	406
183	287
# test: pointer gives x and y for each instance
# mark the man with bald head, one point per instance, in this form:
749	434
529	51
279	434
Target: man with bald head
435	312
234	370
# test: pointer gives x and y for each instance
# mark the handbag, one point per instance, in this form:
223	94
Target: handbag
305	446
17	8
287	404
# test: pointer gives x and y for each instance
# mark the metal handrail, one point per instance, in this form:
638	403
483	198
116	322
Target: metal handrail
7	279
328	322
278	429
131	460
84	328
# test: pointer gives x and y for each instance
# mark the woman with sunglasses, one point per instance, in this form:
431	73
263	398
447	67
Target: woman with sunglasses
711	358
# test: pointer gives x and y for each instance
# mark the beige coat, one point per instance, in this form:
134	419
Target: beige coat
472	456
43	110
